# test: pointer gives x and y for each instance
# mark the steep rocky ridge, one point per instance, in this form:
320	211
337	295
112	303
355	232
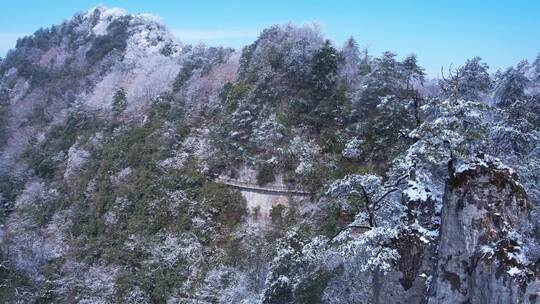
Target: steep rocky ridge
484	223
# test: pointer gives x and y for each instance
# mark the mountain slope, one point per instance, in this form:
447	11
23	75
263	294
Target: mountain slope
116	139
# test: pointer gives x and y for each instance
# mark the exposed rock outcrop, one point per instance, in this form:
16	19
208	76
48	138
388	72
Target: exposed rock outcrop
484	223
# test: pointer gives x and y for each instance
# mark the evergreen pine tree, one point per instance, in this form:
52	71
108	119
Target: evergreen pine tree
119	102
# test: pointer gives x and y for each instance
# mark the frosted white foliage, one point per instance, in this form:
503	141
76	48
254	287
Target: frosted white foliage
381	216
144	71
59	238
176	162
175	200
122	176
352	149
371	250
136	295
57	232
76	159
244	119
94	284
268	133
298	44
29	249
305	152
352	184
110	218
198	143
305	167
350	68
454	130
380	205
201	91
316	249
34	193
228	285
106	15
143	76
170	249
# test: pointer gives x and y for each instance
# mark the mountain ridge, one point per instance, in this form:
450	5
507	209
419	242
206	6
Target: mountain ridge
112	135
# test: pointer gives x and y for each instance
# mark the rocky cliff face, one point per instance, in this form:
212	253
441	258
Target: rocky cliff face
481	255
485	224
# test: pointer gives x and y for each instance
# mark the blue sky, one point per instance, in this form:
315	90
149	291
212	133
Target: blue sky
439	32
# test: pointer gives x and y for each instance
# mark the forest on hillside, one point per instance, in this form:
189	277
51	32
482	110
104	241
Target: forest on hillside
114	137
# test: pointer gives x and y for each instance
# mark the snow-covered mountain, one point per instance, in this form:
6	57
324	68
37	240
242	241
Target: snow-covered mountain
137	169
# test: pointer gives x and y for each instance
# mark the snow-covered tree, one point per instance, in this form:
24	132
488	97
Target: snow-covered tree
413	73
371	195
510	87
349	69
468	82
119	101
